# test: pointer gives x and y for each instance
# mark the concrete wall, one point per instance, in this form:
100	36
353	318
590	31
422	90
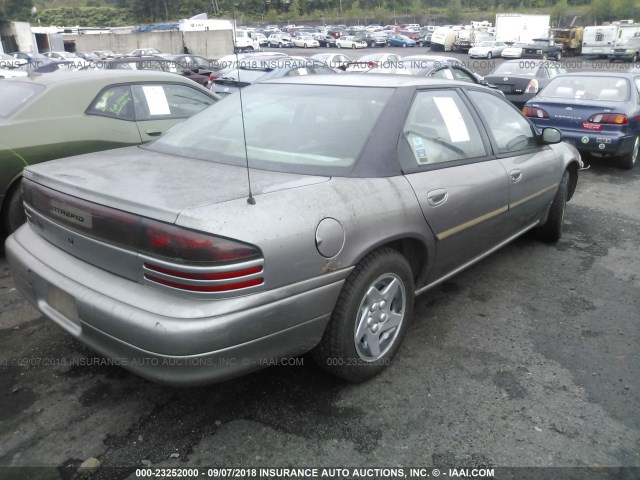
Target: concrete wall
209	44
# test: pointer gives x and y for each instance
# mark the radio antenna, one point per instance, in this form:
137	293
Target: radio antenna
251	200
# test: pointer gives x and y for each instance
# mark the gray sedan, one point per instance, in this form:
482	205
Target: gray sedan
308	222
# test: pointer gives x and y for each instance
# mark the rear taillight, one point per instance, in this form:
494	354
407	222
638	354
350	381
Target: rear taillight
179	244
608	119
532	87
533	112
197	262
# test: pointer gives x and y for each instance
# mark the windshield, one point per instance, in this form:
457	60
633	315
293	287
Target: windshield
609	89
14	95
485	44
309	129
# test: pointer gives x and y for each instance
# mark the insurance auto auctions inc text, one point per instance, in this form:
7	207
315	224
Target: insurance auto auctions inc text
335	473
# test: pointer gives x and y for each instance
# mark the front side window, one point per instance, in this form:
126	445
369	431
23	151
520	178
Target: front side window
512	132
440	129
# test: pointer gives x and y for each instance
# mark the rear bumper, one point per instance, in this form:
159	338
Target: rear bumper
519	99
194	341
608	143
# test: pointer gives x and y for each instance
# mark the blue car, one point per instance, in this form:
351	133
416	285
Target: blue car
597	112
400	41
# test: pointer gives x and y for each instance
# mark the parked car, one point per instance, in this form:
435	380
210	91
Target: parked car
164	258
598	112
367	62
371	38
29	57
520	81
279	40
398	40
139	52
88	56
104	54
262	39
429	69
258	69
8	61
326	40
6	73
305	41
336	61
155	63
350	42
513	51
487	49
77	61
543	48
200	67
45	117
627	51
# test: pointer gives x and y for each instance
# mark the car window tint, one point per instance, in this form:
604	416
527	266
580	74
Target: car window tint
115	101
440	128
154	102
512	132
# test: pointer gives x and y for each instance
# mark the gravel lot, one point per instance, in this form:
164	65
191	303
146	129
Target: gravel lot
529	358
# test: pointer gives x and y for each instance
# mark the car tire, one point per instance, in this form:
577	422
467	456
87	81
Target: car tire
279	44
13	215
489	55
404	45
366	304
558	56
545	56
551	231
338	45
629	160
353	46
635	58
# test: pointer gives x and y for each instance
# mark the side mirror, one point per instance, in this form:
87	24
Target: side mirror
551	135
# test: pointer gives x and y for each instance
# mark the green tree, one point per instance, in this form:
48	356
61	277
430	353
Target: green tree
625	9
16	10
454	11
559	13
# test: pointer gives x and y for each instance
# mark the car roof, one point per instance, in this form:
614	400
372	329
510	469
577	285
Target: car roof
106	76
367	80
613	73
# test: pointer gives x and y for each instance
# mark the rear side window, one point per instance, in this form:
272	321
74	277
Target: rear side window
155	102
115	101
14	95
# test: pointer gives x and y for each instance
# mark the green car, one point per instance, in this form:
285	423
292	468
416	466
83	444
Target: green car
65	113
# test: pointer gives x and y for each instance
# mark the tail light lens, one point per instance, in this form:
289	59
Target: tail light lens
532	87
533	112
609	119
179	244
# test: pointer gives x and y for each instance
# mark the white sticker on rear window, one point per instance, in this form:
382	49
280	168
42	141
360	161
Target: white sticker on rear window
302	71
156	100
452	119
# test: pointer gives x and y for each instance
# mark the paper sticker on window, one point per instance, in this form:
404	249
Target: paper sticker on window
418	147
302	71
447	74
452	119
156	100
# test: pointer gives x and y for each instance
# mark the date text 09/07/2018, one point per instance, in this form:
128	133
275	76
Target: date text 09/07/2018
336	473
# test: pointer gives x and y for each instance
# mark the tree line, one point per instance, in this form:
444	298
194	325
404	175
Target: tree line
128	12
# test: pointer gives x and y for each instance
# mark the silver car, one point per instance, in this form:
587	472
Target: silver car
304	215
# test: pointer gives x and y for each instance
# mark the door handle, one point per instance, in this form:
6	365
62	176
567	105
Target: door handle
437	197
152	133
516	175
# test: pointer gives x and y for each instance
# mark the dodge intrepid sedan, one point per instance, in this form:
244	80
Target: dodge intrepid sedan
304	215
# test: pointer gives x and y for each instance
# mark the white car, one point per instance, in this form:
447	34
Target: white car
513	51
279	40
336	61
262	39
349	42
5	73
7	61
77	61
140	52
374	60
305	41
487	49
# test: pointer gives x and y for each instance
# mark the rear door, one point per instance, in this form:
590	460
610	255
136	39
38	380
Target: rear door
463	192
160	106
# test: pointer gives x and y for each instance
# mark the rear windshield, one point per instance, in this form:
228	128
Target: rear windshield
517	68
14	95
308	129
611	89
